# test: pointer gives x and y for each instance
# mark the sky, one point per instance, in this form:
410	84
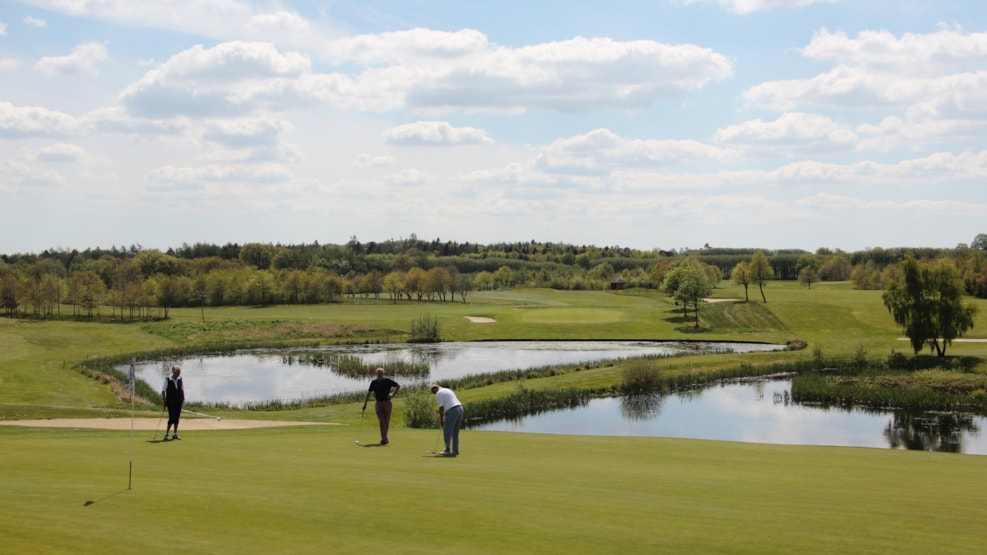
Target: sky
653	124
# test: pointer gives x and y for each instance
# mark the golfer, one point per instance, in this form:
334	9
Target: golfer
381	388
173	395
450	417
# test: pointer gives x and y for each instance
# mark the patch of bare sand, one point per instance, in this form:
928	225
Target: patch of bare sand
480	320
720	300
192	424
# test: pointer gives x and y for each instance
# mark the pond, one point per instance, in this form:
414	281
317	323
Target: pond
754	412
258	376
757	412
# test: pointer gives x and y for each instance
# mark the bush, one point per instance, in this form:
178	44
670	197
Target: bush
425	330
641	376
420	410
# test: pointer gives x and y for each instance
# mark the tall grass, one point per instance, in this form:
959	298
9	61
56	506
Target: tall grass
921	390
355	367
524	402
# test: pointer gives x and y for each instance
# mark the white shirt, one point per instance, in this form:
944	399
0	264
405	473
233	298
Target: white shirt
446	398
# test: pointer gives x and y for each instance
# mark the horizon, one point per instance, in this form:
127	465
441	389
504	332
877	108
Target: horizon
143	248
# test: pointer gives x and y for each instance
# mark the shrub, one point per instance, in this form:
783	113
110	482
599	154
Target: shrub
420	410
641	376
425	330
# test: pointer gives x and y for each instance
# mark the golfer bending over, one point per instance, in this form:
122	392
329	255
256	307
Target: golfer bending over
173	396
381	388
451	418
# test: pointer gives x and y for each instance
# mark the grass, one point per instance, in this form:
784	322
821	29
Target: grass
311	490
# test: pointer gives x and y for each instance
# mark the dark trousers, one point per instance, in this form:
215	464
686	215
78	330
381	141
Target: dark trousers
383	410
174	413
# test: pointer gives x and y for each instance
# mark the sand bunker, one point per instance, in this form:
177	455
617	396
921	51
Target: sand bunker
480	320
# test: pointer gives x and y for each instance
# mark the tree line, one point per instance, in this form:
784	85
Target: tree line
134	282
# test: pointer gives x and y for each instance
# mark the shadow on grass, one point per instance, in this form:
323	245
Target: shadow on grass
92	502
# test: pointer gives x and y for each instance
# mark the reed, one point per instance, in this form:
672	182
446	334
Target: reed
524	402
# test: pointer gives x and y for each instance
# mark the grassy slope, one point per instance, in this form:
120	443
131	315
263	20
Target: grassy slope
313	491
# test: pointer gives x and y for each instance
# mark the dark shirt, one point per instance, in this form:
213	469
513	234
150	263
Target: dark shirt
174	393
382	387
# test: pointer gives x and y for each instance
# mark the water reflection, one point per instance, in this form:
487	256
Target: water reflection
258	376
640	407
756	412
930	431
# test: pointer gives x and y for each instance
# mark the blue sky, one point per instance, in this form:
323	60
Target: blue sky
647	124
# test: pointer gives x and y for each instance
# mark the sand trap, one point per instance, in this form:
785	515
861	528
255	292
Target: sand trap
193	424
720	300
480	320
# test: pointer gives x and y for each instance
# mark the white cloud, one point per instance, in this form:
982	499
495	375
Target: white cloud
227	80
219	19
8	64
61	152
791	133
428	71
944	51
573	76
602	150
3	29
942	167
28	121
83	60
34	22
245	132
435	133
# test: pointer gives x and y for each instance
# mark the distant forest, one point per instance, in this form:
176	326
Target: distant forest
134	282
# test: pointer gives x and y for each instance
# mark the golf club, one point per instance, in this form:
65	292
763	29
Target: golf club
158	427
435	449
202	415
359	430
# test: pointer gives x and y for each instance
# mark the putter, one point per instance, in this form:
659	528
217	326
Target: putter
158	427
359	430
203	415
435	449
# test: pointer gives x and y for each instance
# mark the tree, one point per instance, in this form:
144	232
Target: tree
807	276
926	300
759	270
688	283
258	255
979	242
10	285
741	276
